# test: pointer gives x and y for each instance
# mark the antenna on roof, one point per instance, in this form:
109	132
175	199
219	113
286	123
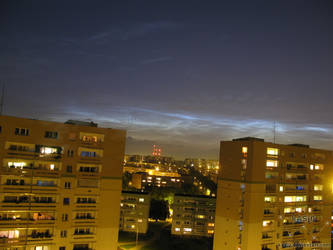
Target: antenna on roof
274	131
2	98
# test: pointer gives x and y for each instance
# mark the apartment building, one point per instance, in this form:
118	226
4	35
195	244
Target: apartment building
193	215
273	196
134	211
150	179
58	184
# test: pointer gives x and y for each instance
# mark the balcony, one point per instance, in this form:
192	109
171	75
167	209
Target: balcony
41	235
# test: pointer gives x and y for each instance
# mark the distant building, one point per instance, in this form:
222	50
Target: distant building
193	215
209	168
134	211
143	180
58	184
273	196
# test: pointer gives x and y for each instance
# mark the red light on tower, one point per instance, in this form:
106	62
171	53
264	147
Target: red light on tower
157	150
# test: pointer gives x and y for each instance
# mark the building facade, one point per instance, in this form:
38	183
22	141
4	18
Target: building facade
193	215
134	211
273	196
58	184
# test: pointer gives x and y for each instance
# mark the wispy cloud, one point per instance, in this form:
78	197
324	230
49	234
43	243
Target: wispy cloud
157	60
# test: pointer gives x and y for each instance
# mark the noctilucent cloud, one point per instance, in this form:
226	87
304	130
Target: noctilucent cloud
183	76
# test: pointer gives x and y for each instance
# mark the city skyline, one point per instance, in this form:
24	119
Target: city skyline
183	77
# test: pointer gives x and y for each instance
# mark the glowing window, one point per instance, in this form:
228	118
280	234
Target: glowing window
211	224
294	198
272	151
210	231
48	150
139	220
244	150
200	216
311	166
288	210
186	229
272	163
177	229
319	166
299	210
270	199
267	223
318	187
317	198
281	188
17	164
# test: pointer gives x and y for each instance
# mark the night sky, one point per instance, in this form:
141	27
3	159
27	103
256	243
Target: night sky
181	74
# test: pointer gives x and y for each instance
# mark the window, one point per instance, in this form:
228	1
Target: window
271	163
67	185
70	153
48	150
317	198
22	131
141	199
319	167
244	151
51	134
63	233
62	248
294	198
272	151
270	199
66	201
187	229
281	188
11	234
318	187
177	229
69	169
64	217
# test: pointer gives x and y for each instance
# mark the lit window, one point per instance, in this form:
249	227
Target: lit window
272	163
133	226
139	220
186	229
310	209
48	150
272	151
281	188
318	187
294	198
210	231
211	224
200	216
299	210
141	199
270	199
52	167
267	223
16	164
177	229
244	151
319	167
317	198
311	166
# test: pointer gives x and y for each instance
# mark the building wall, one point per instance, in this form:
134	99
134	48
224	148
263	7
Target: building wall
90	162
245	221
193	215
134	211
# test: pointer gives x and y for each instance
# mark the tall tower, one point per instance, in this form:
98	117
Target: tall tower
273	196
157	150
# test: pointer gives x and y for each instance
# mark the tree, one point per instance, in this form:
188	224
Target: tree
159	209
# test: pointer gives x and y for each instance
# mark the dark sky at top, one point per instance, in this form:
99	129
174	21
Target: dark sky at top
182	74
